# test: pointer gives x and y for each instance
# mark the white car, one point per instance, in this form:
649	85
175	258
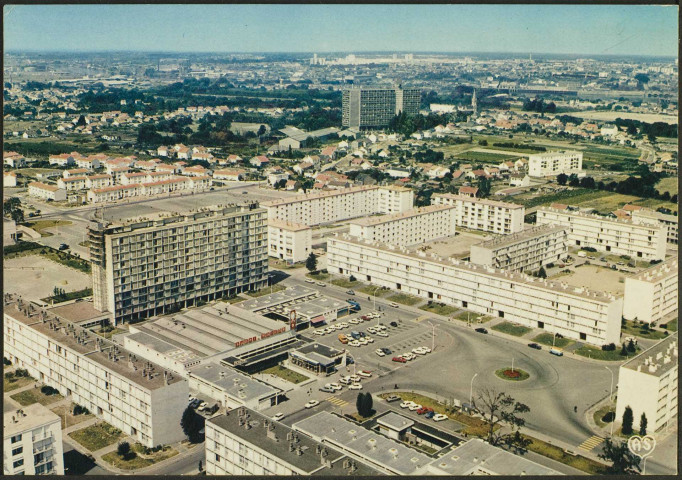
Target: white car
353	321
278	416
382	334
334	386
369	339
407	356
439	417
418	351
319	332
365	373
202	406
371	330
345	380
380	352
363	341
355	386
309	280
311	404
354	343
344	325
407	404
393	304
414	407
355	378
426	349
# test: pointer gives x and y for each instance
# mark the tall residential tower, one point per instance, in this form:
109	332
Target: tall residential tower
375	107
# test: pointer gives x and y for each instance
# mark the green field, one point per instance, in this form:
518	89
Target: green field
34	395
485	157
668	184
374	290
137	458
511	329
599	354
286	374
86	292
439	309
266	290
97	436
557	453
40	226
635	328
548	338
405	299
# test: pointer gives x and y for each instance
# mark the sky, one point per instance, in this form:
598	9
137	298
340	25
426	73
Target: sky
559	29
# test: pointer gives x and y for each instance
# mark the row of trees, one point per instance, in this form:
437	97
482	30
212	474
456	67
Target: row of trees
538	105
626	426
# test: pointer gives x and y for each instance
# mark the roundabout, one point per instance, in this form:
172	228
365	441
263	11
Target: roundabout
512	374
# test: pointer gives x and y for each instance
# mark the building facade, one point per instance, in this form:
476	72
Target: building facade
133	395
46	192
288	241
482	214
527	250
337	205
408	228
648	384
619	237
650	217
651	295
375	107
32	442
554	163
150	267
577	313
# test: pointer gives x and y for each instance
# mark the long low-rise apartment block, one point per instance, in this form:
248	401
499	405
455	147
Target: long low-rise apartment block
619	237
651	294
337	205
46	192
527	250
483	214
289	241
554	163
648	384
651	217
138	397
151	266
407	228
577	313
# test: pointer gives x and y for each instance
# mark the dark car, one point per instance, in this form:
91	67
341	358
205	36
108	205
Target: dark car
350	292
481	330
195	403
393	324
387	351
535	346
63	246
429	414
399	359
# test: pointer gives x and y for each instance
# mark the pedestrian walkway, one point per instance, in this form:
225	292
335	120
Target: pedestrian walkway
336	401
591	443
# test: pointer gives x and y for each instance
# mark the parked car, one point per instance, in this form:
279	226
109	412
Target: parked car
393	398
354	343
365	373
334	386
556	351
399	359
382	334
345	380
342	338
355	378
309	280
355	386
320	284
195	403
387	351
535	346
380	352
414	407
63	246
353	321
311	404
202	406
429	414
393	324
439	417
426	349
481	330
394	305
424	410
350	292
278	416
327	389
407	404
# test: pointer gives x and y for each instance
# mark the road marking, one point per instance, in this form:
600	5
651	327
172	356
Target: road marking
336	401
591	443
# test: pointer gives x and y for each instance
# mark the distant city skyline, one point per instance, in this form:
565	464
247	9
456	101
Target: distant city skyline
649	30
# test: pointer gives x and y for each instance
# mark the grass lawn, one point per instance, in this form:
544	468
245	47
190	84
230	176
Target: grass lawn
235	299
517	375
371	289
71	419
474	426
486	157
635	328
599	354
97	436
474	317
137	458
66	259
547	338
266	290
85	244
86	292
12	383
359	418
283	265
40	226
671	325
599	414
345	283
557	453
111	333
668	184
511	329
34	395
405	299
318	276
286	374
439	309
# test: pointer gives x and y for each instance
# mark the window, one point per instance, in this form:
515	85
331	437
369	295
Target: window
17	451
16	438
18	463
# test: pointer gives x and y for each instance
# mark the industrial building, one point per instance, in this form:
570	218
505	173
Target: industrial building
651	295
375	107
140	398
32	442
526	250
575	312
648	384
289	241
407	228
555	163
619	237
483	214
151	266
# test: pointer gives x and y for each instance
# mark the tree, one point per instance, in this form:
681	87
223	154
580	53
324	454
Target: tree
497	407
624	351
17	215
81	121
364	404
643	422
573	180
484	185
261	130
631	345
123	449
562	178
627	421
192	424
311	262
542	273
280	184
623	461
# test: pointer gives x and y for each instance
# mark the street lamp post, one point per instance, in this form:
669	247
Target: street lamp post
471	391
374	296
433	336
613	420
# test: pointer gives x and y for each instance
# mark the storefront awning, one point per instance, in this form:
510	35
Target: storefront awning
318	319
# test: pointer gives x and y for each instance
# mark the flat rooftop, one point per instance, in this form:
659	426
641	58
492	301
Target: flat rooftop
237	385
480	201
601	218
284	225
377	449
34	416
272	437
653	361
318	195
527	233
665	269
209	330
378	220
395	421
561	287
290	296
79	312
477	457
110	356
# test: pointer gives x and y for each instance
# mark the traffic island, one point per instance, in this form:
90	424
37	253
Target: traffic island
512	374
139	457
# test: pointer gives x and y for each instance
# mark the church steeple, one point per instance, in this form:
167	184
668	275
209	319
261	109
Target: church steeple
474	104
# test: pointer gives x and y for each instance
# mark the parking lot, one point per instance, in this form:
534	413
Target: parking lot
34	277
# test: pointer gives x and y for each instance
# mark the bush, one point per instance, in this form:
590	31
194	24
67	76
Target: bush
123	449
609	417
5	361
48	390
21	372
609	348
589	249
79	410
